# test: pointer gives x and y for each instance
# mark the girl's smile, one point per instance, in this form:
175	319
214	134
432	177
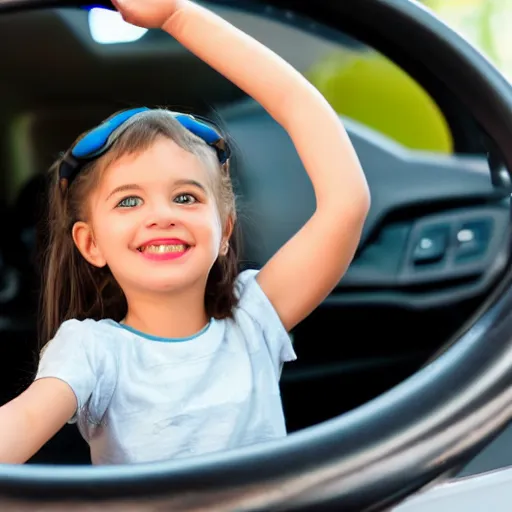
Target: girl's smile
164	249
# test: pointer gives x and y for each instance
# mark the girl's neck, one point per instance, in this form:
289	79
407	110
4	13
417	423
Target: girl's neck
167	315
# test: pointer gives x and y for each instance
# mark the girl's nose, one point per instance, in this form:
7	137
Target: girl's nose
162	216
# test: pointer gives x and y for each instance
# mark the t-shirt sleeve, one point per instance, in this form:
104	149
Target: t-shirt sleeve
68	357
254	302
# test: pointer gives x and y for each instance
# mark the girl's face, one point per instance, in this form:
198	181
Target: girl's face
153	219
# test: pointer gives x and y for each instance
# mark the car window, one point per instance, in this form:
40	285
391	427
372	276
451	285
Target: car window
366	86
359	82
485	23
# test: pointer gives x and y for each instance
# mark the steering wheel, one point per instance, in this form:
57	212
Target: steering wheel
375	455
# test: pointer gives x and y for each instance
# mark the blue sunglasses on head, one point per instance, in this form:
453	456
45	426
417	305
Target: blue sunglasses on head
98	140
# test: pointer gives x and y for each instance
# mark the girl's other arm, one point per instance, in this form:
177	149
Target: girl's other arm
33	418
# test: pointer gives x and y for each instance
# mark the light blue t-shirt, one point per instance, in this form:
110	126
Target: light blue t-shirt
146	399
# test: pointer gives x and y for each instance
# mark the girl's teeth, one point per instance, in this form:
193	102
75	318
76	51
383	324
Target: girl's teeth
164	248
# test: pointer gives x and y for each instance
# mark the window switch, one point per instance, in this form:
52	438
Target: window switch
473	239
431	245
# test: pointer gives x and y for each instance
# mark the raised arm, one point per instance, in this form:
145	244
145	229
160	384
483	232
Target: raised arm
34	417
305	270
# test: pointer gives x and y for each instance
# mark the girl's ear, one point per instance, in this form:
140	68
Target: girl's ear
228	231
85	243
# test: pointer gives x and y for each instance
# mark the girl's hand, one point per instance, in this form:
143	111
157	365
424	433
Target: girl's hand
147	13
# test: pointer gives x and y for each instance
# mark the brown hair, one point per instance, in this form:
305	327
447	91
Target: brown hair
73	288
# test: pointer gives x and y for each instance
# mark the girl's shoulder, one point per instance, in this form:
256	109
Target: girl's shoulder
83	329
255	313
251	297
80	355
78	347
87	335
76	325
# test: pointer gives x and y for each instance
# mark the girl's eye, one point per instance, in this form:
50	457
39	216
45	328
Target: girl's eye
129	202
185	199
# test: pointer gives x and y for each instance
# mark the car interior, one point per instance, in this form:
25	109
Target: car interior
434	245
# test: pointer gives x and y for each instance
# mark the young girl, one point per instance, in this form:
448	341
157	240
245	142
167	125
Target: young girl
158	348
